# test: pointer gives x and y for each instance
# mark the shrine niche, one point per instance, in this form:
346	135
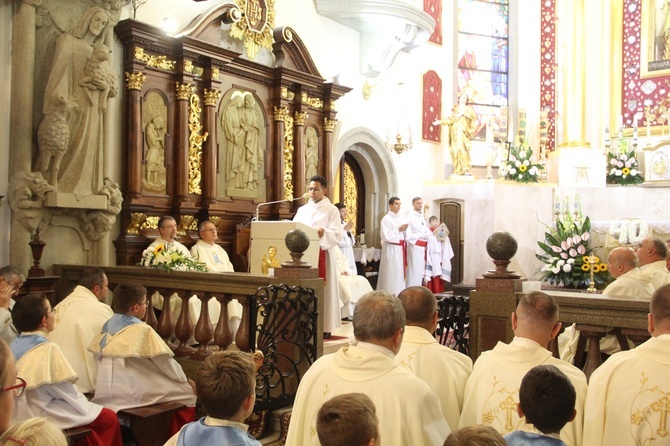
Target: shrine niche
209	134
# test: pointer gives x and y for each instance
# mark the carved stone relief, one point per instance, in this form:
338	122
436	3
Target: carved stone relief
244	140
155	117
96	223
27	194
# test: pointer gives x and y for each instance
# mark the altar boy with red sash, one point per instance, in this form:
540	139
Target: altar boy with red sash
50	380
135	366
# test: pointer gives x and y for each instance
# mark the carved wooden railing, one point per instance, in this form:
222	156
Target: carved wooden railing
223	287
594	315
453	322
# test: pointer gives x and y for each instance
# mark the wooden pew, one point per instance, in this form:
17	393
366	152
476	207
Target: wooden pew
150	424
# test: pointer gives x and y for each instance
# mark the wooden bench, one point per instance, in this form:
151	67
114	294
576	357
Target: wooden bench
150	424
75	433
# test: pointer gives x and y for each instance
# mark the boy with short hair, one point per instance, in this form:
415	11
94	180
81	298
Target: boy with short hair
50	380
135	366
226	386
547	400
349	419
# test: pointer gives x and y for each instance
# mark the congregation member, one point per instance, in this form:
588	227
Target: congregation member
348	419
392	265
475	435
492	391
135	366
346	245
226	389
652	254
38	431
167	232
627	400
417	244
78	318
629	283
408	410
216	259
547	401
319	213
50	380
10	386
440	253
445	370
11	281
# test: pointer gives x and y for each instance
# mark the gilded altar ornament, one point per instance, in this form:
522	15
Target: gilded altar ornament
300	118
283	92
195	140
215	74
184	224
333	106
211	96
311	101
256	27
188	67
134	81
183	90
288	157
137	219
269	260
161	62
280	113
150	223
329	124
215	219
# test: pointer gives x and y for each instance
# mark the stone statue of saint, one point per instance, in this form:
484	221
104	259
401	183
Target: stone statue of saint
311	154
462	125
155	157
241	126
79	85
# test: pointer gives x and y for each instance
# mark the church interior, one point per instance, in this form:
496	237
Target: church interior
120	112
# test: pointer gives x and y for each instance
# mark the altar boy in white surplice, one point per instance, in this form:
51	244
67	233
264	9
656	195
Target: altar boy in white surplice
135	366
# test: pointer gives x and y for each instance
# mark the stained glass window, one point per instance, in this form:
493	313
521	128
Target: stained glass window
483	55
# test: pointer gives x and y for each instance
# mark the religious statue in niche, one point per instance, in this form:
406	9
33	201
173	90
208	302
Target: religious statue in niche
462	126
155	155
79	85
244	154
311	153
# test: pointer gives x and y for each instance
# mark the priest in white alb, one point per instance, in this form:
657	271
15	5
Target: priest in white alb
627	402
417	244
393	263
320	214
652	254
407	409
492	391
445	370
167	231
78	318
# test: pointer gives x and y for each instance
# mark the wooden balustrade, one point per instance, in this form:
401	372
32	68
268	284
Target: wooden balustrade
596	315
223	287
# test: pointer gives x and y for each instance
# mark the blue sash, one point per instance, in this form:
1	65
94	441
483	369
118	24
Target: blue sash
23	343
198	433
115	324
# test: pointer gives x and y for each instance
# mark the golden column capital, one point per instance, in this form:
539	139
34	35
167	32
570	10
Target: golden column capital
183	90
280	113
211	97
134	81
329	124
300	118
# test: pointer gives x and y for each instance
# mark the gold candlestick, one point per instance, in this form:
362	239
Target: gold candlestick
592	283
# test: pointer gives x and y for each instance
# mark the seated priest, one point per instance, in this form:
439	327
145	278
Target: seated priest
50	380
652	254
135	366
352	286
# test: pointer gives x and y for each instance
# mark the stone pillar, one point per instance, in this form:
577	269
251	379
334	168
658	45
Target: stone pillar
180	194
328	150
21	116
134	83
209	161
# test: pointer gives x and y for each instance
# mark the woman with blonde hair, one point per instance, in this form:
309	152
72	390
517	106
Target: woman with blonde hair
34	432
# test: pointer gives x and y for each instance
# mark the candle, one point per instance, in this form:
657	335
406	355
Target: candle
635	127
489	132
557	205
522	124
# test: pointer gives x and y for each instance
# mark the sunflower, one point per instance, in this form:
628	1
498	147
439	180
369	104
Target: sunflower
586	267
522	168
603	267
585	259
596	268
159	248
625	171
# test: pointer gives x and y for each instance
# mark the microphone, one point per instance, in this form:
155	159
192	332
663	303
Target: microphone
257	218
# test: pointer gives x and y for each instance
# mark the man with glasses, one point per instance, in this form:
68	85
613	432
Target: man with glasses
320	214
167	230
11	281
78	318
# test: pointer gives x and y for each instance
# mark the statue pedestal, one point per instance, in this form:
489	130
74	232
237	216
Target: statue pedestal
69	200
462	178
